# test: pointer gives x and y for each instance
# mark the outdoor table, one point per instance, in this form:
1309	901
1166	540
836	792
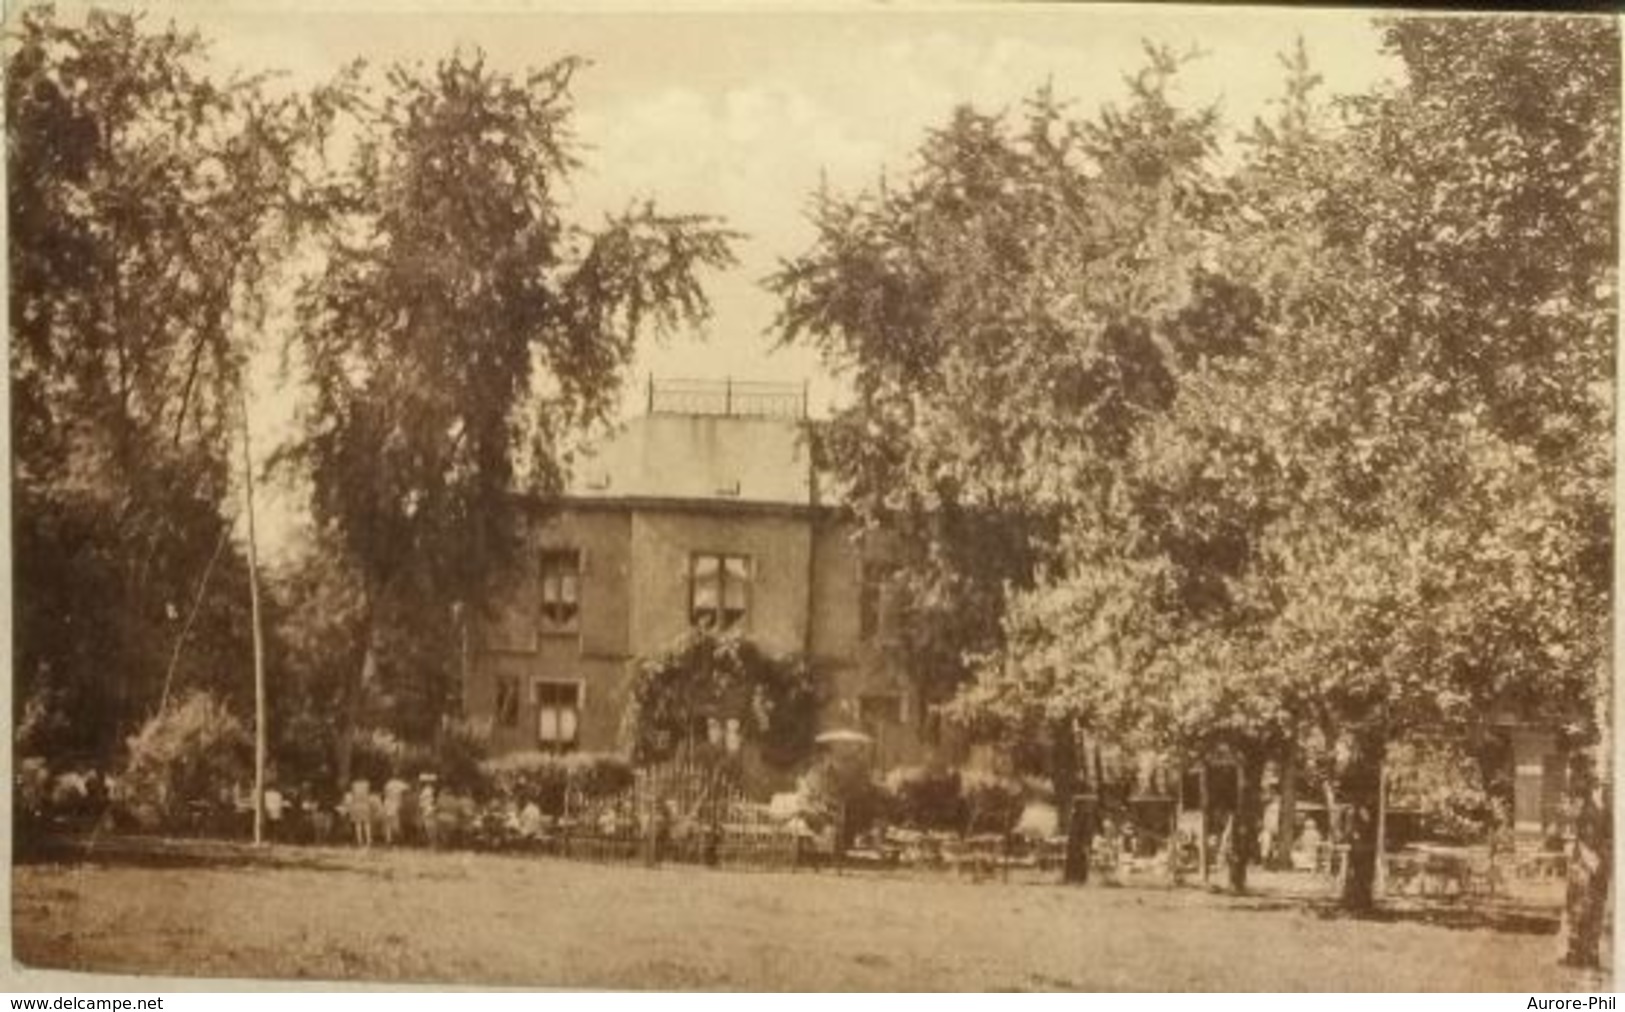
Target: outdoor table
873	856
1402	871
983	853
1435	869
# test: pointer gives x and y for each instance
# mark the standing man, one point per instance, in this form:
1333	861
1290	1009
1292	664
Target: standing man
361	812
394	790
273	814
426	811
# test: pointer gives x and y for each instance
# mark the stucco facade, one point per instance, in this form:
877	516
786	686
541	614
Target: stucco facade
683	518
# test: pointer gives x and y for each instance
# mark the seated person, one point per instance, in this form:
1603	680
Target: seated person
530	820
1307	851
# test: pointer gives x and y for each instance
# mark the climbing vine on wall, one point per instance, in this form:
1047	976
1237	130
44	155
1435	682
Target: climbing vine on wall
707	688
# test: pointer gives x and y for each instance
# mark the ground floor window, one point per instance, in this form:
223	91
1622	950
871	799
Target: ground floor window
558	715
507	703
724	733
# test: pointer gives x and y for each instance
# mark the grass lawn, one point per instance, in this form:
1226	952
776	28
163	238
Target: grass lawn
223	910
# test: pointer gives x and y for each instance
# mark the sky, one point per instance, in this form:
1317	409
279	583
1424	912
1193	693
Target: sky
741	112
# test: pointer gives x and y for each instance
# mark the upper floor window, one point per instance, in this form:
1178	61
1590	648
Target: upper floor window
719	591
561	591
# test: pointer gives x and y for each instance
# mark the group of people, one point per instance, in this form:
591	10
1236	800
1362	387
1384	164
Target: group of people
1305	849
1305	853
75	795
425	814
395	813
398	813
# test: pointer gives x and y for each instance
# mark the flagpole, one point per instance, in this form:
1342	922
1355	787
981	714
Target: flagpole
259	641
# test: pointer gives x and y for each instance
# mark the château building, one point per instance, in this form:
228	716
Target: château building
707	512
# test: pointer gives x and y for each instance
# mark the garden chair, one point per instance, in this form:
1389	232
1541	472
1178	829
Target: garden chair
1402	874
1482	875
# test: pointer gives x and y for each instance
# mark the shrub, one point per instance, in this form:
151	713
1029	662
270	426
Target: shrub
944	799
41	720
838	785
459	752
377	755
992	803
529	776
597	774
1039	789
927	798
546	778
775	700
1445	782
195	750
304	750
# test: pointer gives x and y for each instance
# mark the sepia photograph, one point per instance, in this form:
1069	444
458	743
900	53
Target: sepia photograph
788	497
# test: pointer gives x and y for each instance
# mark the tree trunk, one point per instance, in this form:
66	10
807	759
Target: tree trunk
1079	838
1245	823
1591	867
351	715
1207	814
1380	879
1286	824
1075	864
1176	874
1361	787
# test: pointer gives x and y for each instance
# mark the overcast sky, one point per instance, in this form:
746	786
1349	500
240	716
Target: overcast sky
738	113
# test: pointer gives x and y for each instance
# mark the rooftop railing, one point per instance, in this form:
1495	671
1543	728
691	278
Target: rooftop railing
727	397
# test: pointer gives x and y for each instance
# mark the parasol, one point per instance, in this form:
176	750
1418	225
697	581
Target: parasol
842	736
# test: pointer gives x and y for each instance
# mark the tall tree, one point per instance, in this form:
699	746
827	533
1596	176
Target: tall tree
1506	251
456	334
1449	557
1011	314
149	203
1389	512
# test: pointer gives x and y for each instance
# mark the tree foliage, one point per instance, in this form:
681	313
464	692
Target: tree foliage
149	204
549	779
1318	445
1388	514
189	753
707	681
1008	314
456	335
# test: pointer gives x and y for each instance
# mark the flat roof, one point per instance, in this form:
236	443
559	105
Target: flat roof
706	457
